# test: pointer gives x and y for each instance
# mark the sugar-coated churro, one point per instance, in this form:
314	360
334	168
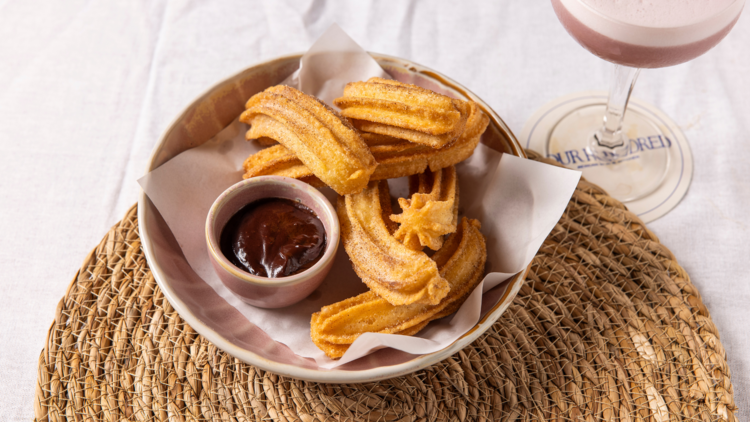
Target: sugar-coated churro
325	142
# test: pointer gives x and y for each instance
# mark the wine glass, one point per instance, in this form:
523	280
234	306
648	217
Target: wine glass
632	160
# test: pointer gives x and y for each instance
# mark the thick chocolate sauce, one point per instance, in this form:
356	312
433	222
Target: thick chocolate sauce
273	237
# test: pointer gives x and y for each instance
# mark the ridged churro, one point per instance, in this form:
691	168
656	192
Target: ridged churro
404	111
396	158
460	261
396	273
430	212
325	142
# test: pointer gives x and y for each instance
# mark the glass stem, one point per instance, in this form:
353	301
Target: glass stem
610	135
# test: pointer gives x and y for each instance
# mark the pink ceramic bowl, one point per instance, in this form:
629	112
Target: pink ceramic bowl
262	291
219	322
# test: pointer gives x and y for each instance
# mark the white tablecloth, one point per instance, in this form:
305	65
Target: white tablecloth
87	88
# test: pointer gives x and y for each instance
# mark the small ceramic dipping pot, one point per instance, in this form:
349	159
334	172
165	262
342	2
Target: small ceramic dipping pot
267	292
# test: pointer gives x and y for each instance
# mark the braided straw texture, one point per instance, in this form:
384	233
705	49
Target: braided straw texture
607	327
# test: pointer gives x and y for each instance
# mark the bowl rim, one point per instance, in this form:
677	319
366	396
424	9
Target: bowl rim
336	375
332	238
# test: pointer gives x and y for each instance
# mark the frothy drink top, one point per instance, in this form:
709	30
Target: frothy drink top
655	23
659	13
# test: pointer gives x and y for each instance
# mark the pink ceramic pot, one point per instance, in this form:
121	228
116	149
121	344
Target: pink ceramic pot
262	291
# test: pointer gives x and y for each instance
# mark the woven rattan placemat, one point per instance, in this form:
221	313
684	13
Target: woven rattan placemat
607	327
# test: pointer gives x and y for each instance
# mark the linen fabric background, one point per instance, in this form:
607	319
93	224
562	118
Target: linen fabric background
87	88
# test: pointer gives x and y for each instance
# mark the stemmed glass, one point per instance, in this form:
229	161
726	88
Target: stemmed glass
631	161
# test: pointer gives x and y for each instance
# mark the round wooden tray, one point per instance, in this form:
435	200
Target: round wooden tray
607	327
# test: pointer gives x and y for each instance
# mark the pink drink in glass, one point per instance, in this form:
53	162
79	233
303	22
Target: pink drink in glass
648	33
596	136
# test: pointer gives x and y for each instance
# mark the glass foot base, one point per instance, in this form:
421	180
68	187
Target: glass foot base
626	175
650	176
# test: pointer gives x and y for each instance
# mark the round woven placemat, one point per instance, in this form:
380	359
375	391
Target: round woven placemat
607	327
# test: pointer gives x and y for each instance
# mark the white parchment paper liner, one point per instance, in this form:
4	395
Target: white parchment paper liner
518	202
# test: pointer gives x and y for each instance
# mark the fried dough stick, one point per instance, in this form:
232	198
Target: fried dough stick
461	261
430	212
404	111
395	157
325	142
398	274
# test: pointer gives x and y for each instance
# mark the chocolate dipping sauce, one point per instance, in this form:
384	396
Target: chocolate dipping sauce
273	237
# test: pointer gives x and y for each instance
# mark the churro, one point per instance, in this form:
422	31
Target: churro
396	273
325	142
460	261
404	111
430	212
396	158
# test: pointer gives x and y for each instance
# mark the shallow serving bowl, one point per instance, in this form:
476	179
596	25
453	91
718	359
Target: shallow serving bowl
214	318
